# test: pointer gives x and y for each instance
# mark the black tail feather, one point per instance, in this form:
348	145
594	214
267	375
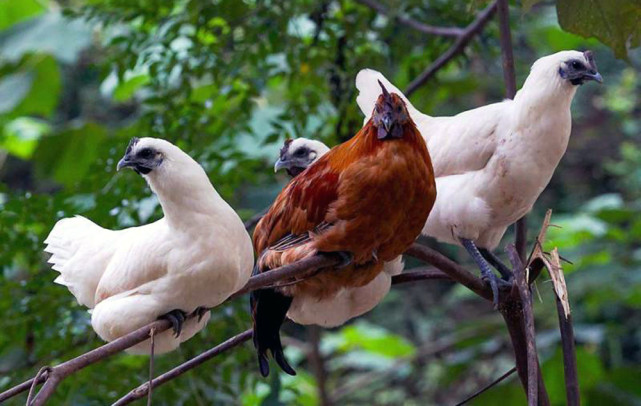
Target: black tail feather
269	309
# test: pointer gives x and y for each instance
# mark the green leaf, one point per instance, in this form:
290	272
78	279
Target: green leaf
614	22
43	98
376	340
125	90
68	156
13	12
21	136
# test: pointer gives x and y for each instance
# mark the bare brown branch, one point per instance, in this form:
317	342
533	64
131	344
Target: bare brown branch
521	283
458	47
142	390
567	330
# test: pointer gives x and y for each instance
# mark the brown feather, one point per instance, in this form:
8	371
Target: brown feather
376	195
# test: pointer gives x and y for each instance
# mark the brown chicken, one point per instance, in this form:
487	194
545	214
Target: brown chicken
365	201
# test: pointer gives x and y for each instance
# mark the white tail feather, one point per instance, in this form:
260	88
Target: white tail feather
80	252
369	90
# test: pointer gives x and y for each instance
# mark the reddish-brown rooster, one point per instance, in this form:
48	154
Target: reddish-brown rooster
366	201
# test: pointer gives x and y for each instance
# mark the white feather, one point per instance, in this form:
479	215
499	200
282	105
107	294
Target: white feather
346	304
493	162
197	255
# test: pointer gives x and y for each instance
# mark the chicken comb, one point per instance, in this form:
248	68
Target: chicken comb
131	144
385	92
589	56
285	146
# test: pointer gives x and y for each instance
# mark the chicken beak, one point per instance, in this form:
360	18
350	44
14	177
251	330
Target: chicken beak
596	76
387	123
280	164
123	163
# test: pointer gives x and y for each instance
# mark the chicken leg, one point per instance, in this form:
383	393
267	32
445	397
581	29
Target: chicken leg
486	273
496	262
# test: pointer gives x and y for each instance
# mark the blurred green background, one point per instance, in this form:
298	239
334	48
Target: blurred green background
228	81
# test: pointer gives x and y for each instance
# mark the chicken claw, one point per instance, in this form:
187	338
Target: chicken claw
176	317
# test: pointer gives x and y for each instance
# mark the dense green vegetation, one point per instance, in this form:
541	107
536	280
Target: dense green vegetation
228	81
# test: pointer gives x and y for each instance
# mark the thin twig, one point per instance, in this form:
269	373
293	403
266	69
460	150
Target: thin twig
41	372
424	28
507	52
317	363
141	391
58	373
459	45
152	334
509	77
420	274
487	387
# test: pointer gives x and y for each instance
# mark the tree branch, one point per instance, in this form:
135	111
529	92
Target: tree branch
523	288
420	274
424	28
487	387
60	372
143	389
459	45
509	77
455	271
317	363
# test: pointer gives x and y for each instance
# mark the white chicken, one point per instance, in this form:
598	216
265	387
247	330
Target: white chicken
192	259
295	156
492	163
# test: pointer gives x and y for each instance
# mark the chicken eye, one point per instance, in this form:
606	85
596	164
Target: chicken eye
576	65
146	153
300	152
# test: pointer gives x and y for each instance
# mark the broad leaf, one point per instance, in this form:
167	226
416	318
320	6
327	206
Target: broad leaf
616	23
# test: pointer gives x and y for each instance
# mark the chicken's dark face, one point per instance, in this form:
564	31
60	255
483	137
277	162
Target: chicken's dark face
578	71
141	158
295	157
390	114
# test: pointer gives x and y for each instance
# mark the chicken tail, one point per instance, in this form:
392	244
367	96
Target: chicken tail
80	251
269	309
367	83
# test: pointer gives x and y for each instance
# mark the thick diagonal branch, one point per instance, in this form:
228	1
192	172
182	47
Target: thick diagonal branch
143	389
459	45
